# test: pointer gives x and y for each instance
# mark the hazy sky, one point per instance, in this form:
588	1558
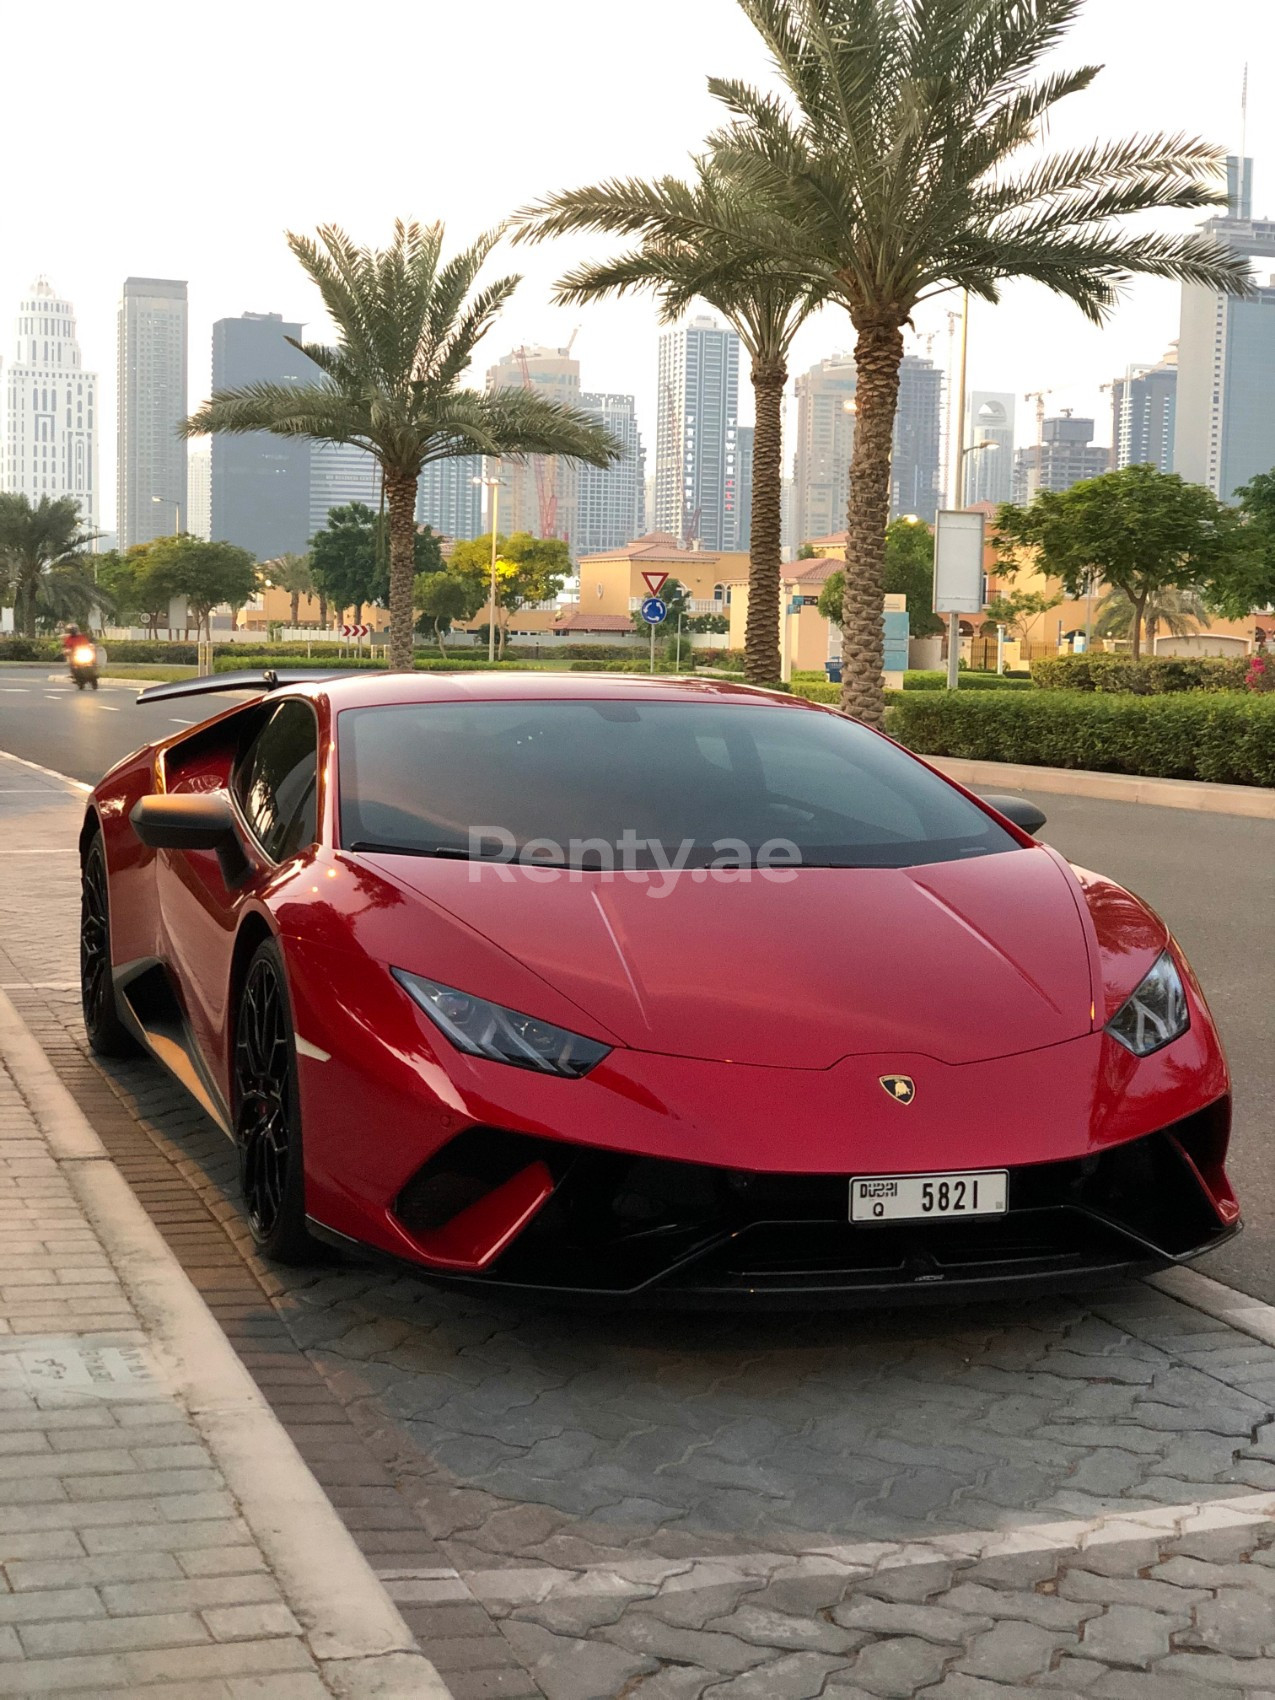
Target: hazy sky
151	139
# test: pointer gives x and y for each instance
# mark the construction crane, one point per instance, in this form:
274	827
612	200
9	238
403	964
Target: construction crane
544	467
1038	396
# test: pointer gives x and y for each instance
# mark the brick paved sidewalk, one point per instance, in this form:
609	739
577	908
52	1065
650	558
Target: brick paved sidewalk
159	1535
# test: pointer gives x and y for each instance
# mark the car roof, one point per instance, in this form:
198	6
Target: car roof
366	690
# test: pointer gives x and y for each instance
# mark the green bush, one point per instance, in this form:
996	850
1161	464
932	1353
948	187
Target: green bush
934	679
1227	738
1152	675
30	649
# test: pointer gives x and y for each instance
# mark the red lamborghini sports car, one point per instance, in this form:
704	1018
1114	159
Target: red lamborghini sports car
641	988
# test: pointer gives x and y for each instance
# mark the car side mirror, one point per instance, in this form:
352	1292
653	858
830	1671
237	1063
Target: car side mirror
198	821
1020	810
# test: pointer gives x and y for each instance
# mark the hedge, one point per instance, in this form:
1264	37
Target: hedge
933	680
1227	738
1152	675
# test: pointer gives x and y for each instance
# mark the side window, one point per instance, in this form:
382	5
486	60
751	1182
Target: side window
276	781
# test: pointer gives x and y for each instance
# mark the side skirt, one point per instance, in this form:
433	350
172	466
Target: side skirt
149	1008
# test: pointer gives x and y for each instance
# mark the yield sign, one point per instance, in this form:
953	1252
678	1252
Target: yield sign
654	582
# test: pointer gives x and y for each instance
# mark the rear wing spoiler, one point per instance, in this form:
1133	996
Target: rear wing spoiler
268	679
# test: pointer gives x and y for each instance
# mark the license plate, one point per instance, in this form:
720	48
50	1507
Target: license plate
923	1198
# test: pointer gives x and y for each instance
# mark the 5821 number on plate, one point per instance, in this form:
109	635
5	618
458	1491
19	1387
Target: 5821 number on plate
921	1198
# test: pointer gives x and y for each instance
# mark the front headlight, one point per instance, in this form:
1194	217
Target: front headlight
1155	1014
502	1035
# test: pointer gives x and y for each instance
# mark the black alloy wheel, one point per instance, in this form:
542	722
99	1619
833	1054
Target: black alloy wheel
107	1035
266	1112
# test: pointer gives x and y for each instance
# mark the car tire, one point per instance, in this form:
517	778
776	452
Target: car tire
107	1034
266	1107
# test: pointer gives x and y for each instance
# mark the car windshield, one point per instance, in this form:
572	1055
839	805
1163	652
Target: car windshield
608	783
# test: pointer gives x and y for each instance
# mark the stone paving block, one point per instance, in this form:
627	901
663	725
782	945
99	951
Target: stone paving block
1014	1651
41	1605
930	1622
250	1622
795	1676
899	1667
569	1669
111	1635
1130	1635
1238	1622
131	1599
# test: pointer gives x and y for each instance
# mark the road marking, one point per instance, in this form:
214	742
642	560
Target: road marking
15	690
642	1577
107	709
50	771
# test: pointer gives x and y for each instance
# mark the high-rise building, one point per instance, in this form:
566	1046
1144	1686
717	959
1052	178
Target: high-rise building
1066	455
151	364
341	473
611	501
747	441
50	445
1143	414
449	497
199	491
1225	424
825	444
697	436
915	466
989	472
539	495
260	482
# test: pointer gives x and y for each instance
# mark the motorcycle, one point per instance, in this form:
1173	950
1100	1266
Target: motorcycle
83	663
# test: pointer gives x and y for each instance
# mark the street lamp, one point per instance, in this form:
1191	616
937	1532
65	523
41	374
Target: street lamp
494	485
177	513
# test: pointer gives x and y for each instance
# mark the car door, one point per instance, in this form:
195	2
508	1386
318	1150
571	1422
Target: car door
274	785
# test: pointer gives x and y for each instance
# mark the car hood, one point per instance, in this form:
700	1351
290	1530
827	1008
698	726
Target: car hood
961	961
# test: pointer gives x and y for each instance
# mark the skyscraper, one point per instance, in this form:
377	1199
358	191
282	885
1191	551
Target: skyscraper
989	472
1066	455
260	482
538	496
199	490
747	441
611	501
1225	424
918	436
825	443
50	445
1143	414
151	365
697	437
449	497
341	473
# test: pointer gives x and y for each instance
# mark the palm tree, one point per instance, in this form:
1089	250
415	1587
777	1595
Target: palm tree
891	147
1181	612
38	540
291	573
407	326
709	239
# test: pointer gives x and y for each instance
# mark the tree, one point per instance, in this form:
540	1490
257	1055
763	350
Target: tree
205	574
445	598
36	538
1180	612
891	146
726	240
908	571
1139	530
343	558
1250	584
291	573
528	569
1020	609
407	324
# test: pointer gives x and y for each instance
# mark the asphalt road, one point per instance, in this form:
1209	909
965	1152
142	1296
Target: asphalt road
1211	876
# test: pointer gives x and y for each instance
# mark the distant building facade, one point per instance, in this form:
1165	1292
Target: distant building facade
538	496
1066	455
341	473
1225	423
611	501
697	435
449	497
260	481
1144	405
747	443
50	441
199	490
825	444
915	467
989	472
152	377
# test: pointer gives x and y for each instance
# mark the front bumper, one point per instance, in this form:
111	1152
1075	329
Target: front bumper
620	1228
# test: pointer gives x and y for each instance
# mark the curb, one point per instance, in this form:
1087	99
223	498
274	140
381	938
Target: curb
356	1634
1254	802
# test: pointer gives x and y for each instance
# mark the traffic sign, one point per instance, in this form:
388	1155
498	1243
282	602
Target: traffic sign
355	631
655	582
655	612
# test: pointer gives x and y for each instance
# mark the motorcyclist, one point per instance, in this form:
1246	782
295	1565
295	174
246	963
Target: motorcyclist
71	637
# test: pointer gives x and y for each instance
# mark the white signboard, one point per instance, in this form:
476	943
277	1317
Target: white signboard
958	562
